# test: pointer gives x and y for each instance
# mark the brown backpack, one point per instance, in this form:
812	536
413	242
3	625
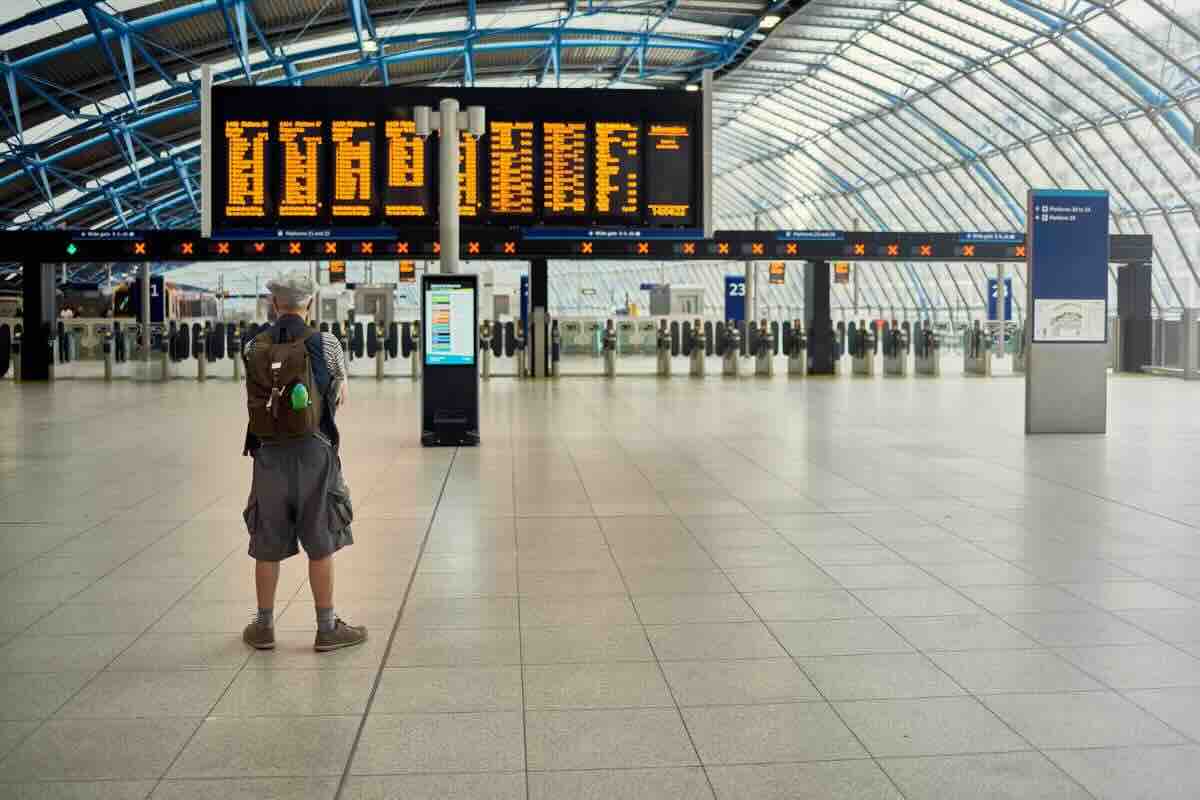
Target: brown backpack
273	371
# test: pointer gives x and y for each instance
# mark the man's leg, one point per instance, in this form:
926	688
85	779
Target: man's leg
332	633
260	634
320	578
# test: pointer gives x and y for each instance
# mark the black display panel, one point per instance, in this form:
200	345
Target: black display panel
669	172
313	157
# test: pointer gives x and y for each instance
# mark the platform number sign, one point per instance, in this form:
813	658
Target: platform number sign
735	298
1008	298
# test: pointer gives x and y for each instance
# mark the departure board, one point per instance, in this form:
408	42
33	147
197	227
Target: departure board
564	168
511	167
301	165
246	145
353	167
617	167
296	158
669	169
407	192
468	175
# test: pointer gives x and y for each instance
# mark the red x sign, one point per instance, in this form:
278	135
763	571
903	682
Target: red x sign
223	248
331	248
1020	251
585	247
860	249
689	248
472	247
643	248
510	247
893	249
260	247
367	248
791	248
294	248
139	248
969	250
437	248
926	250
401	247
756	248
723	248
186	248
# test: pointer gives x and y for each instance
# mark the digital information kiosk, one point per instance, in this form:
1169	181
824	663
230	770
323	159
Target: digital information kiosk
450	350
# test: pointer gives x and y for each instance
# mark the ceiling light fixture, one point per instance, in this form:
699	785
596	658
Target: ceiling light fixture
691	87
769	21
370	46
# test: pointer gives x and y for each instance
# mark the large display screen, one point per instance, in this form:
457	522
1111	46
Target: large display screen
449	324
315	157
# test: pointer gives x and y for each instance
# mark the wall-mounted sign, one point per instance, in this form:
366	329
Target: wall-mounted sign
337	271
408	271
841	272
777	272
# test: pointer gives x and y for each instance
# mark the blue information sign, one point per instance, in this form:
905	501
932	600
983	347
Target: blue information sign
1008	296
735	298
1067	259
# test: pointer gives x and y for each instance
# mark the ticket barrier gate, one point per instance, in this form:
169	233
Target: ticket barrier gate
695	346
730	350
609	345
485	349
864	346
764	351
977	352
795	345
896	346
927	356
1021	351
663	346
555	348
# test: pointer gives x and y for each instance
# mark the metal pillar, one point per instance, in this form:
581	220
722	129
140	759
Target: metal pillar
1191	344
448	221
146	337
38	323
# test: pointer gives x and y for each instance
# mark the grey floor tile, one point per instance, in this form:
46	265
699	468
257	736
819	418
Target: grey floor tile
13	733
677	609
677	581
679	783
1086	719
709	683
1077	629
613	609
183	651
448	689
444	647
427	743
37	695
839	637
616	685
160	592
836	780
488	612
106	790
889	676
968	632
482	786
27	653
927	727
607	739
1129	595
267	747
770	733
72	749
1179	708
16	617
1149	666
834	604
1024	599
916	602
585	643
294	650
707	642
988	573
1140	773
248	789
794	577
130	695
286	692
569	584
992	671
881	576
1172	625
992	776
38	590
76	618
462	584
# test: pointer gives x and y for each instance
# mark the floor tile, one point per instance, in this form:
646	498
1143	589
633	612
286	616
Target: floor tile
445	647
769	733
992	776
921	602
1140	773
1086	719
1151	666
617	685
585	643
1077	629
677	609
707	642
1179	708
779	606
448	689
880	576
839	637
677	581
242	747
425	743
835	780
878	677
794	577
1024	599
679	783
926	727
483	786
247	789
287	692
650	737
992	671
130	695
72	749
13	733
37	695
967	632
493	612
613	609
26	653
1129	595
709	683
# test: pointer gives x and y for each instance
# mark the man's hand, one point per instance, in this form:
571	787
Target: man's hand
343	393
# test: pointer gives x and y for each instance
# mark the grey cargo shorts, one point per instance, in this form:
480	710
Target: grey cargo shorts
298	498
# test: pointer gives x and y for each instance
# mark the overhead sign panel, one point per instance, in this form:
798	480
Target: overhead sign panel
313	157
1068	265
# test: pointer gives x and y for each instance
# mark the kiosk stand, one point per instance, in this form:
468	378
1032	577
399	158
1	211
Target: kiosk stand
450	351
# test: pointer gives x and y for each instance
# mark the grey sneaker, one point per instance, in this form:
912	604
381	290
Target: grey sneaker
342	635
260	637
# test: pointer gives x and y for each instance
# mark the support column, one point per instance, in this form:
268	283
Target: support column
1133	317
817	320
539	314
147	315
41	314
448	185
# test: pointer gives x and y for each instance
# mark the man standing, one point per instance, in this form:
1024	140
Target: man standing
295	381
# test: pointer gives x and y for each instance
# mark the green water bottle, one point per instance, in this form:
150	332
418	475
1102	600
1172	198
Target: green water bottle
299	397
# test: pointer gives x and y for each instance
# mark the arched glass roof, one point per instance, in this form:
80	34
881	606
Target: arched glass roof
876	114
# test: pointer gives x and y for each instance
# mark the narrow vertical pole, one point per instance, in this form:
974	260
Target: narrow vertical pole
146	312
448	221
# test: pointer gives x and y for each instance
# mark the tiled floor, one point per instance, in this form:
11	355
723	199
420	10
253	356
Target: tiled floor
635	589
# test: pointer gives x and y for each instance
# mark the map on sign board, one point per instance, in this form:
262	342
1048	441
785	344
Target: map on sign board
1069	320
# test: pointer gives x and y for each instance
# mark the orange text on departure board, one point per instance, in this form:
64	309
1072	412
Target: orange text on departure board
616	168
564	167
246	147
353	178
468	175
301	167
511	167
668	138
406	165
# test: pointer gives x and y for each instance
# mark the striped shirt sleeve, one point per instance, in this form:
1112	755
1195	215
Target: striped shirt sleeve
335	358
